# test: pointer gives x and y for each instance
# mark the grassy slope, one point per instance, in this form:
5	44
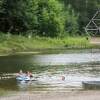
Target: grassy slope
10	44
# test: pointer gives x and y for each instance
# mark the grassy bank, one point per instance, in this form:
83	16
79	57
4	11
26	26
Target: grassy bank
16	43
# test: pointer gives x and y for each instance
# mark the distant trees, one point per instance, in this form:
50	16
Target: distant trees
85	9
17	15
12	16
51	18
71	24
38	17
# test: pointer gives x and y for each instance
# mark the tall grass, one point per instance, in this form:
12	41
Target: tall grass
15	43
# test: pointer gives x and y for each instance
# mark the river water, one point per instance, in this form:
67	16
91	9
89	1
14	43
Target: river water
49	68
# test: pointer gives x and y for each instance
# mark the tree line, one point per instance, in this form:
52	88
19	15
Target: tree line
86	10
50	18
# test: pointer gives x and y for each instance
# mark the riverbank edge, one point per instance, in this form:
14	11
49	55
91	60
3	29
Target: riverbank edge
69	95
15	44
42	51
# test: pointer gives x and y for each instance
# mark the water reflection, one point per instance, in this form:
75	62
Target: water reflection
14	63
64	59
8	84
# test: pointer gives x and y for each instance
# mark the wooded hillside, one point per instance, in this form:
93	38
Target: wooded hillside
51	18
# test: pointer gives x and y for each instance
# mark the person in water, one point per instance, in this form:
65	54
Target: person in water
20	72
29	74
63	78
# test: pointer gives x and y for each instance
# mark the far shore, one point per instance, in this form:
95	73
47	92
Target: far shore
22	45
23	52
49	50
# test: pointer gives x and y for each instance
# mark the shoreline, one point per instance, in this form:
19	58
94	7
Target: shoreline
21	45
49	51
68	95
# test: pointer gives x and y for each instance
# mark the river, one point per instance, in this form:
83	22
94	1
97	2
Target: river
49	68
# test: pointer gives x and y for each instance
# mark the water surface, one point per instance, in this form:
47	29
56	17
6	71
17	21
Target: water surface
48	69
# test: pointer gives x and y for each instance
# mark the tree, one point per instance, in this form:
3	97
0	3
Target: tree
85	9
72	26
41	17
45	17
17	15
51	18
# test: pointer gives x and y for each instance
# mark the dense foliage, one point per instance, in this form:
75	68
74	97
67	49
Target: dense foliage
46	17
40	17
85	8
50	18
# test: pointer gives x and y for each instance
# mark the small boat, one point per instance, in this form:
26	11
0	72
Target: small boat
91	84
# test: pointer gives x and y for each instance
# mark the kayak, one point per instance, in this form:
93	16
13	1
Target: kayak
91	84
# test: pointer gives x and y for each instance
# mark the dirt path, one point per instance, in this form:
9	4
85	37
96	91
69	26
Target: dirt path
95	40
72	95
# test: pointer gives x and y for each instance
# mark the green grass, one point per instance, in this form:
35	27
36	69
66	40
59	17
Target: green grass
17	43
